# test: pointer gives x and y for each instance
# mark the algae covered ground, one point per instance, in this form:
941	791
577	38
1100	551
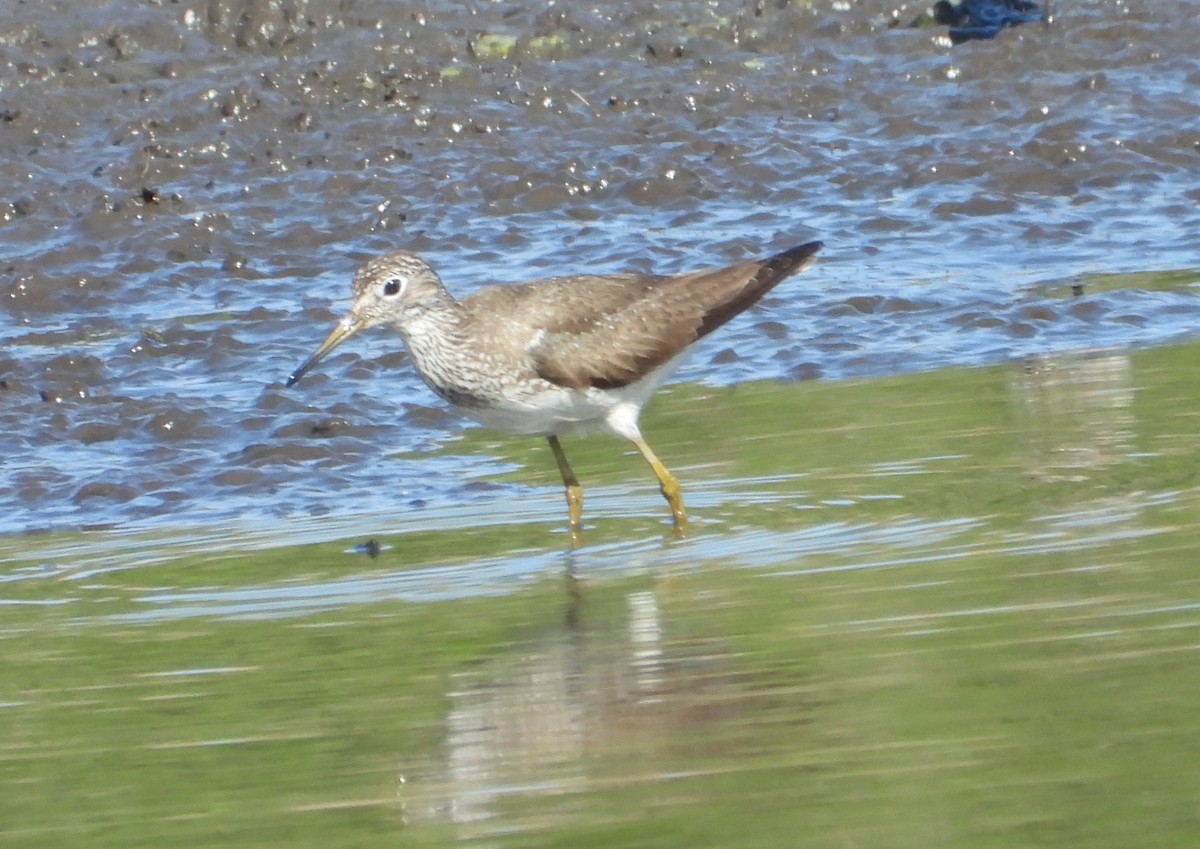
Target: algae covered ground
958	608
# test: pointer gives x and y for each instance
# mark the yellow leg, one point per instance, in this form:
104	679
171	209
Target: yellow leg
669	486
574	491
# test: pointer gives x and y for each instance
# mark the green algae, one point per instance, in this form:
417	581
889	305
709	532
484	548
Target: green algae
954	608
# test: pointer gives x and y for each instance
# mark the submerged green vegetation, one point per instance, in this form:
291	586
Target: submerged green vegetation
948	609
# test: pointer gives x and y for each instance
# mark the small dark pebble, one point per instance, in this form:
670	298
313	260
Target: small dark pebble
371	548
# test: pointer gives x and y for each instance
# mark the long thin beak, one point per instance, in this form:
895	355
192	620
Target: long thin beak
344	329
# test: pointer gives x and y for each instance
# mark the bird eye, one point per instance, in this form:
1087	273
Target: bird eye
392	287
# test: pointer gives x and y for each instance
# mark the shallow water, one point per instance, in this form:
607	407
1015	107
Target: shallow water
189	186
972	621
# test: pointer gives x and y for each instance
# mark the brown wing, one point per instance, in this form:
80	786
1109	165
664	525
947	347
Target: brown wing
608	332
587	330
619	345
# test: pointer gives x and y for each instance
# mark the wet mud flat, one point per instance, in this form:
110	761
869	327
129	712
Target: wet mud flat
188	186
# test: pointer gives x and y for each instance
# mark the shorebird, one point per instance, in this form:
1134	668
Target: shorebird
557	356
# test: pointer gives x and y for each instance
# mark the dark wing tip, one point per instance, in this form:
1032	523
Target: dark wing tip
761	276
788	262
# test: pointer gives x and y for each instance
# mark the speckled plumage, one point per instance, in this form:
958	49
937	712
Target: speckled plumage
558	355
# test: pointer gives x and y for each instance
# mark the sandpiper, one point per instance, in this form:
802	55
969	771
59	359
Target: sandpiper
557	356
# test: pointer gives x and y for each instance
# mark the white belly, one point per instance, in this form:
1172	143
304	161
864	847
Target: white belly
553	411
545	409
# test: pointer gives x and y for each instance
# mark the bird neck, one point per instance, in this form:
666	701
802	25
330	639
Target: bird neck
437	318
438	343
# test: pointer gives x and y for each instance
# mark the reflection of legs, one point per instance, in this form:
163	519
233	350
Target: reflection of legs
574	490
668	485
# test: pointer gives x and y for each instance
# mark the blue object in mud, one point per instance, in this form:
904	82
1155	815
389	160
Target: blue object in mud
972	19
